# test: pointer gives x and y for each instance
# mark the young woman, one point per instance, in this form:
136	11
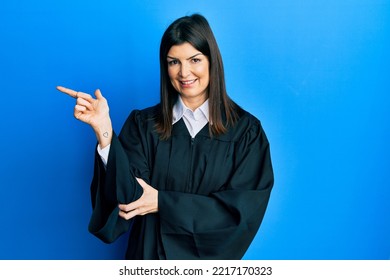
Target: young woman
190	177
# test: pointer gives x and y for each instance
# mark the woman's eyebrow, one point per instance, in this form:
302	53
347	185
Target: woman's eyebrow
194	56
191	57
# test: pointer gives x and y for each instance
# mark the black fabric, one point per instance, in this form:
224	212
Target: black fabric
213	191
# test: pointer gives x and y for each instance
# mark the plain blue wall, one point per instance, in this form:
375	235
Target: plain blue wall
315	72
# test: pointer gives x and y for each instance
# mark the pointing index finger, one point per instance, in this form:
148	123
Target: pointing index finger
68	91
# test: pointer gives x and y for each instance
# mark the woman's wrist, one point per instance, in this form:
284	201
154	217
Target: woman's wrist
104	133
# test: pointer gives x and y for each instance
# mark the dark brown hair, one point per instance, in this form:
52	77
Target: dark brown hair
195	30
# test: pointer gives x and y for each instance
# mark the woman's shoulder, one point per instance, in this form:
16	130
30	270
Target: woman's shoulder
143	116
247	120
246	117
146	113
246	124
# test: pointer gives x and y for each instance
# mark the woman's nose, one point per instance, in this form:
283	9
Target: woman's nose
185	70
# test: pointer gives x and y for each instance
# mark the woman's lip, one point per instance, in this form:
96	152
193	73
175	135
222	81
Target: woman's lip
187	82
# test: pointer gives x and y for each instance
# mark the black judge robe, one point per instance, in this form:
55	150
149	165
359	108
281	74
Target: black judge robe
212	191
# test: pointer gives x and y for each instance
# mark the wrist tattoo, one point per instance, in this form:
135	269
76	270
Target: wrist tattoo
105	134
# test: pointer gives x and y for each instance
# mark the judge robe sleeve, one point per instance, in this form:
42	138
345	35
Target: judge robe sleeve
116	183
223	224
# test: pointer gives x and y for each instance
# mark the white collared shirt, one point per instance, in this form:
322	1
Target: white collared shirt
194	121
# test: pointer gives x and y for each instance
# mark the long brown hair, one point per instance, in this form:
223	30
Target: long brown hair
195	30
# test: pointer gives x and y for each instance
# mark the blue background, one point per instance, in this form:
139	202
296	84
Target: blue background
316	73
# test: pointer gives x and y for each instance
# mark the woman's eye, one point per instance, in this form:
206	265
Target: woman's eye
195	60
172	62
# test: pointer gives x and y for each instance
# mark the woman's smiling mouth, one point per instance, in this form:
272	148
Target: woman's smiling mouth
187	82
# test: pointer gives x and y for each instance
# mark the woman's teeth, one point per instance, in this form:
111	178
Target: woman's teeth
187	82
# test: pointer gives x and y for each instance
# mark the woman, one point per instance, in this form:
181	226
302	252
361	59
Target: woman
191	177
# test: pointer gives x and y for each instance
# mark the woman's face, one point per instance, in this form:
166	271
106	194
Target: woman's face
188	70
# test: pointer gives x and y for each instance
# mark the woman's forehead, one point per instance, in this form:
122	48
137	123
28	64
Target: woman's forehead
185	50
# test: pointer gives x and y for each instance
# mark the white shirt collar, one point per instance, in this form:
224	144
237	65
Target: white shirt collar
179	109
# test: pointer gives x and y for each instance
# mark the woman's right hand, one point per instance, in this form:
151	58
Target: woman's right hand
94	112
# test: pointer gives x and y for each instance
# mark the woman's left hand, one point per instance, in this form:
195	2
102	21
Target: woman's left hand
147	203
